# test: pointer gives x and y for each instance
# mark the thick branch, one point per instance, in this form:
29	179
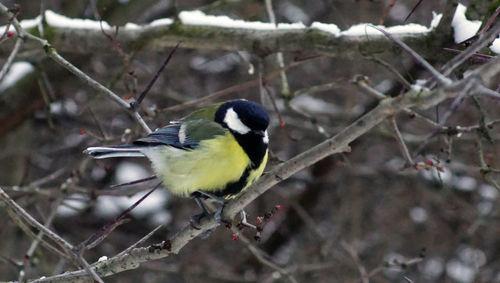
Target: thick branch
259	42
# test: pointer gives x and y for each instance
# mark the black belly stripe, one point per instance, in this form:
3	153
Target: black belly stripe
234	188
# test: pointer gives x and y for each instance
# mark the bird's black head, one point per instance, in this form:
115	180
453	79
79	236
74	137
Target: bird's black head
242	117
248	122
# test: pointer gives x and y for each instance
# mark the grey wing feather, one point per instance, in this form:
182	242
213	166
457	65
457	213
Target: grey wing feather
184	135
100	152
168	135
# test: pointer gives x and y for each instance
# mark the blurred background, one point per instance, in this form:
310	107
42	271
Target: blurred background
349	214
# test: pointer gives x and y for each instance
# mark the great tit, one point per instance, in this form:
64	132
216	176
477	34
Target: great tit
217	151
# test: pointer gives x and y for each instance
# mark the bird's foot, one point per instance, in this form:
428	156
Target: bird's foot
218	216
195	220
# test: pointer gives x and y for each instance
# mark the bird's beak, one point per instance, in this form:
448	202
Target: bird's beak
259	133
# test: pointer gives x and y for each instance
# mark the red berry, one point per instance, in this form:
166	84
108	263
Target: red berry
429	162
278	207
10	34
488	157
258	220
282	124
128	97
118	45
82	132
234	237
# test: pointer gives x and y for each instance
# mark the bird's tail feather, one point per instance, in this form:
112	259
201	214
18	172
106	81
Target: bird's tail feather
100	152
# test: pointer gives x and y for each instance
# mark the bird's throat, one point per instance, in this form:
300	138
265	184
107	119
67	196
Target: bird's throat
254	147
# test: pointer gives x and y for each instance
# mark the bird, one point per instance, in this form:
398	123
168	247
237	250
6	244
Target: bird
215	152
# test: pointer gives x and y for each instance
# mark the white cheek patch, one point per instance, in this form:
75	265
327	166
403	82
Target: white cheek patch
234	123
265	139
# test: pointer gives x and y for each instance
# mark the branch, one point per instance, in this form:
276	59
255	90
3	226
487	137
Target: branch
484	39
20	212
264	258
401	142
51	52
336	144
235	88
261	42
285	89
10	60
442	79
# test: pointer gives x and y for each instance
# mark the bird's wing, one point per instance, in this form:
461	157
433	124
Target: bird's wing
183	134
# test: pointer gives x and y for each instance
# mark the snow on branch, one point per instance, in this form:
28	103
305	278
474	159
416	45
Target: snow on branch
198	30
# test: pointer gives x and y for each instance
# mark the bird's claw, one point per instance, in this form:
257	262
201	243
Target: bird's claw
195	220
219	219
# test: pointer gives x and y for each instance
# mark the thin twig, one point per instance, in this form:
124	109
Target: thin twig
37	241
391	68
362	82
52	53
484	167
33	222
285	88
34	236
263	258
102	233
448	141
354	256
117	47
141	122
401	142
454	106
148	87
406	263
142	240
135	182
488	92
99	125
318	88
235	88
386	12
89	269
471	50
6	34
441	78
10	59
490	21
412	10
480	57
48	178
67	247
269	93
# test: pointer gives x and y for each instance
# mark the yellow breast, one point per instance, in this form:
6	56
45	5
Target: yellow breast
254	175
209	167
